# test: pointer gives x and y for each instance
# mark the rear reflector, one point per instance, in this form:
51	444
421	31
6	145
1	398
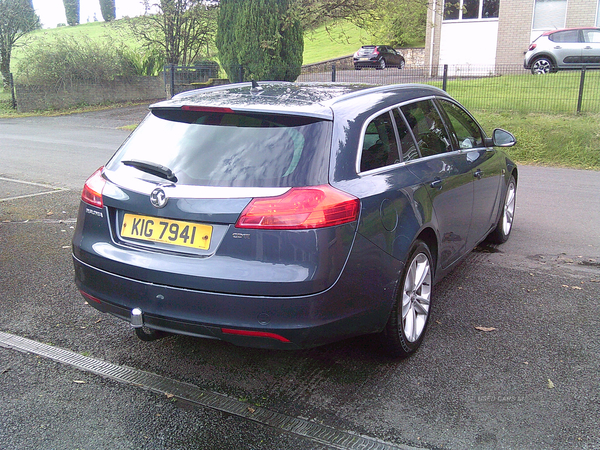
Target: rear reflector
90	297
301	208
92	190
254	334
208	109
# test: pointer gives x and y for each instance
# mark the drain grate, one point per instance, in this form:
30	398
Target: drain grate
156	383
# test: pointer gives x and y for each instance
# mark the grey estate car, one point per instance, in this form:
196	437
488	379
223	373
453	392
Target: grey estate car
290	215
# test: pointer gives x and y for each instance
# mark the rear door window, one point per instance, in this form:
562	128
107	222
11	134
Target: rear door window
230	149
379	144
427	127
407	143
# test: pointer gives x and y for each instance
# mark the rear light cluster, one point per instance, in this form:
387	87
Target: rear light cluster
92	190
301	208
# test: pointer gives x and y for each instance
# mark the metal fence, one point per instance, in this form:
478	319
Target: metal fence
183	78
494	88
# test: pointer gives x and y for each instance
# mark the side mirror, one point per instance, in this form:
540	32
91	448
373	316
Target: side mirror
501	138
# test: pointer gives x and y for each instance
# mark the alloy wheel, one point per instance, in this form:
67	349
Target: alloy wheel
416	297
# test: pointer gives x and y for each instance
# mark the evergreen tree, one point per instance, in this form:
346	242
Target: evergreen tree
107	8
17	18
262	37
72	11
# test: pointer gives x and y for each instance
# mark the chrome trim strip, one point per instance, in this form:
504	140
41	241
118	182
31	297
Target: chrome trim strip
192	192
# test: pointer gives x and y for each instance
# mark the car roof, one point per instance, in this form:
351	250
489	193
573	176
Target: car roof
313	99
549	32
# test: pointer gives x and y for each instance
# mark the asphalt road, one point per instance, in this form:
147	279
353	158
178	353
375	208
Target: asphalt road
533	382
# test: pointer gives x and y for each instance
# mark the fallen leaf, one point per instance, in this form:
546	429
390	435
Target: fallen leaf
98	321
169	395
550	384
5	370
565	285
66	246
252	410
438	322
526	363
79	381
595	281
576	287
49	213
486	328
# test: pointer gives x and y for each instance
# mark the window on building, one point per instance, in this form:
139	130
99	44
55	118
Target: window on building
470	9
549	14
598	15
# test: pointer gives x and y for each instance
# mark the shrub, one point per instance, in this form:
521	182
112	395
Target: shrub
65	60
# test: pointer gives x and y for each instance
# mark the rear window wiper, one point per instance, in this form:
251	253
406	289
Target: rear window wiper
152	168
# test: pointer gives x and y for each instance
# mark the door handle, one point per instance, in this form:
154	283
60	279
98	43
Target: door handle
558	47
478	174
436	183
587	48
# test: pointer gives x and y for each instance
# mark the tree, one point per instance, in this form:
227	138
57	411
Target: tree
314	13
181	30
261	36
72	11
17	18
400	22
107	8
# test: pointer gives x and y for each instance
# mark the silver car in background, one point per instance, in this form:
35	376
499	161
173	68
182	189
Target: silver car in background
571	48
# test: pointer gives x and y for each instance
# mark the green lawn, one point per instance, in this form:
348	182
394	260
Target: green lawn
526	93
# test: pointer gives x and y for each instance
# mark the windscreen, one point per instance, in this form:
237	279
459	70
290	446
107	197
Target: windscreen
230	149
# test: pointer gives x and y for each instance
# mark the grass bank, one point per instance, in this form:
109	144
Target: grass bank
549	140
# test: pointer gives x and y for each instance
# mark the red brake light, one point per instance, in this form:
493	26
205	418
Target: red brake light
92	190
301	208
375	51
208	109
532	47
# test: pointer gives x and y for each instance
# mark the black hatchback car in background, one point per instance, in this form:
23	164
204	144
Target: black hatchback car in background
290	215
378	56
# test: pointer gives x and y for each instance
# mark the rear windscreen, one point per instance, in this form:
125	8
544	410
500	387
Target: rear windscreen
228	149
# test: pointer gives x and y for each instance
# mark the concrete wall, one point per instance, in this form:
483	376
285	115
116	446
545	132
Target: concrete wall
31	98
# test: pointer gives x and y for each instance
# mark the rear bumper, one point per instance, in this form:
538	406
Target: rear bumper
358	303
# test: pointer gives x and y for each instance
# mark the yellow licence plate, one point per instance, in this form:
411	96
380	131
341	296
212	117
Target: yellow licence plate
175	232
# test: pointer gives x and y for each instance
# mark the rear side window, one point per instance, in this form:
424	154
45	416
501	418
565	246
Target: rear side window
228	149
427	127
379	144
466	131
565	36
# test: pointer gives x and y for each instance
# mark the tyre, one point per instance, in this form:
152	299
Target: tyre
500	234
542	66
402	64
381	64
406	326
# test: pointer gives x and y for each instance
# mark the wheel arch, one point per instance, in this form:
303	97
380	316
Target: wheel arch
544	55
428	236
